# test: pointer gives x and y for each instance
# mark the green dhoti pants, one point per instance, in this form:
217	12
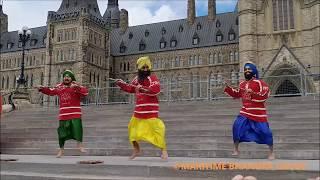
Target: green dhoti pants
70	129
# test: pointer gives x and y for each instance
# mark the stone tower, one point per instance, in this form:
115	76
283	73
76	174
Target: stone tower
212	10
124	20
191	11
247	31
112	14
76	40
3	21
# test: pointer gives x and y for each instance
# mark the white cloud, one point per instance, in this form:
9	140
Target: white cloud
33	13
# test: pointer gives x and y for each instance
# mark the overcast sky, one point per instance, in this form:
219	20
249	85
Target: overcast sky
33	13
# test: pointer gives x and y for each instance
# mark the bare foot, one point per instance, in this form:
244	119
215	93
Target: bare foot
60	153
235	153
271	156
134	154
164	155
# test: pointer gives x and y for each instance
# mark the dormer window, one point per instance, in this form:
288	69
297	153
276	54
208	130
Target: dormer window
237	21
9	45
219	36
146	33
130	35
142	46
19	44
180	28
33	42
173	43
198	26
163	31
231	36
122	47
163	43
195	39
218	24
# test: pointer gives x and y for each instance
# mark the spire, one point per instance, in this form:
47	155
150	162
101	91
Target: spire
1	2
71	6
112	3
3	19
112	14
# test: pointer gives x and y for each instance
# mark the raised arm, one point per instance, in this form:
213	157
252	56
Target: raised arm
48	91
81	90
235	93
130	88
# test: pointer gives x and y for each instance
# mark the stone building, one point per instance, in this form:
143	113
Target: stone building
191	56
283	38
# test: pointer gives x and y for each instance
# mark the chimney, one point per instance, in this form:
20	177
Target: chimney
124	22
3	21
191	11
212	10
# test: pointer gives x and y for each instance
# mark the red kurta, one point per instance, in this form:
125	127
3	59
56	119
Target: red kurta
69	100
253	103
147	104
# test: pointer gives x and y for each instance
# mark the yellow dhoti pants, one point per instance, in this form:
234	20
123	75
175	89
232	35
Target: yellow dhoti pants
151	130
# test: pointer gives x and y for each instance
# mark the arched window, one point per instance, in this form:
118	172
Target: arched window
41	79
31	80
234	77
231	56
213	79
8	82
98	80
215	58
211	59
14	81
219	79
236	56
2	83
219	58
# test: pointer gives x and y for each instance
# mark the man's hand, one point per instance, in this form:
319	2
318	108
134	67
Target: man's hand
137	88
226	83
74	85
39	87
249	91
118	81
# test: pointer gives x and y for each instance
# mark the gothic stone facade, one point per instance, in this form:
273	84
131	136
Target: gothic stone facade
283	38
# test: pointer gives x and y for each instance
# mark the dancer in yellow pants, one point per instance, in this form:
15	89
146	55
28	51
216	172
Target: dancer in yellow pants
145	124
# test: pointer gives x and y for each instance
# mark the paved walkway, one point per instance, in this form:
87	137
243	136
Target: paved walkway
278	164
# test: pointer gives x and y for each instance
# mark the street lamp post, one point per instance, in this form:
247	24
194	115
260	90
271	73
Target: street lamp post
24	36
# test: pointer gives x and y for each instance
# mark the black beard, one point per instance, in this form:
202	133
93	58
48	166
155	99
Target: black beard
143	74
248	76
67	83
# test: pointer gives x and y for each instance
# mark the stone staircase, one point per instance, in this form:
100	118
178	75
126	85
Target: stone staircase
193	129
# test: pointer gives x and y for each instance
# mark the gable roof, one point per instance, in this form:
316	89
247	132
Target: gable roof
38	33
207	34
